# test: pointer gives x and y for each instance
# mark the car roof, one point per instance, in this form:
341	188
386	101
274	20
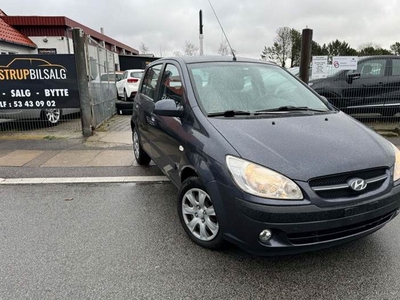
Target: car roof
209	58
378	57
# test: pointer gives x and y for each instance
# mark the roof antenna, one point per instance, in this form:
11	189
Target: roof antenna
223	31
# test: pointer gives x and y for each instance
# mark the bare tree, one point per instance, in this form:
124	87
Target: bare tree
223	48
190	49
281	49
177	53
369	45
143	48
395	48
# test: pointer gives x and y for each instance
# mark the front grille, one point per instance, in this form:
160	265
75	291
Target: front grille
318	236
336	186
348	193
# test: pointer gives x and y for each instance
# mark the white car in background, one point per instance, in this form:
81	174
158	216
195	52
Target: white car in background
128	86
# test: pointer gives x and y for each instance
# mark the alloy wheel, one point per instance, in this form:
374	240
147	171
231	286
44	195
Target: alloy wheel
199	214
52	115
136	145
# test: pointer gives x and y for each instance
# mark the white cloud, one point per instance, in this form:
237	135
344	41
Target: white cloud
250	25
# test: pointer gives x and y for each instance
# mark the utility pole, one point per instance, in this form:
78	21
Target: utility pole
81	72
305	57
201	37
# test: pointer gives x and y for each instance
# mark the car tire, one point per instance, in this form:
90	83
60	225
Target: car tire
125	96
51	116
140	155
197	215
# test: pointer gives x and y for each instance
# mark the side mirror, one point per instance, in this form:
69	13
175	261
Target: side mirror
168	108
352	76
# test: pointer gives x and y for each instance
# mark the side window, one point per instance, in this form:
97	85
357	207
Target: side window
125	75
372	68
396	67
171	84
150	81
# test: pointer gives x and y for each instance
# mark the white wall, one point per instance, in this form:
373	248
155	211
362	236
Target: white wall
98	59
7	48
60	43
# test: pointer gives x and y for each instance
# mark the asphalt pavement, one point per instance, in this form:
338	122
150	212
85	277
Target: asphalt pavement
98	226
124	241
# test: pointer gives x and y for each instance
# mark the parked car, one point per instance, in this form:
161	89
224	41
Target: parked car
128	85
259	158
111	77
103	87
373	88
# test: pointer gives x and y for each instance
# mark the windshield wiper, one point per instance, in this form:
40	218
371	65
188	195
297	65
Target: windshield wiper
229	113
289	108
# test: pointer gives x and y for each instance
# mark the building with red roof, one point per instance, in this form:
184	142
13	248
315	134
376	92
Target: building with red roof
13	41
53	35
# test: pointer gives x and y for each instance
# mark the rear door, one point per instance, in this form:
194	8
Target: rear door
170	133
144	107
392	95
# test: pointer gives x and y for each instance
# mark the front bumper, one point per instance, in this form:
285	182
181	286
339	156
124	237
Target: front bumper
300	228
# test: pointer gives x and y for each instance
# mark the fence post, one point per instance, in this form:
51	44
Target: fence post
305	58
82	75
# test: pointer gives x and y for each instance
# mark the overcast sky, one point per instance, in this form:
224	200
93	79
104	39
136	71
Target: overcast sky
164	26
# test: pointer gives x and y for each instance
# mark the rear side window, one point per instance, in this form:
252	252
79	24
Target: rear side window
136	74
396	67
150	81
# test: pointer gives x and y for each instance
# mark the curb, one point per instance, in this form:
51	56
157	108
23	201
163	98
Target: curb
52	180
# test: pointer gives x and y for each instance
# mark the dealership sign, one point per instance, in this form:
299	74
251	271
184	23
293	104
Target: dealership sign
345	62
319	67
38	81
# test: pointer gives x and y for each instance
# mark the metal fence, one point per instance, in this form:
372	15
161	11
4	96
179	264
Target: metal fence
371	93
38	92
102	65
101	74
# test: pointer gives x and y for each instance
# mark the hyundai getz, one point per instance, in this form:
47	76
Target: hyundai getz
260	159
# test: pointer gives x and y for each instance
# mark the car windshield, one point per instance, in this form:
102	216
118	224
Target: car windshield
110	77
250	87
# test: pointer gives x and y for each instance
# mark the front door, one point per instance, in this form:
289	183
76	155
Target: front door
366	94
169	132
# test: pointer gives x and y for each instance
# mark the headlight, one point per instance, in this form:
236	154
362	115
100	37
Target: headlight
260	181
310	83
396	173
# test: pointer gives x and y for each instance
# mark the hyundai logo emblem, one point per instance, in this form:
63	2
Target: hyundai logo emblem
357	184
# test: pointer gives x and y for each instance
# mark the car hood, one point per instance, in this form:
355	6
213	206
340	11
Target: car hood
304	147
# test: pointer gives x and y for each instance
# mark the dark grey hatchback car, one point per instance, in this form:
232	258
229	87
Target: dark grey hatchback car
261	160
